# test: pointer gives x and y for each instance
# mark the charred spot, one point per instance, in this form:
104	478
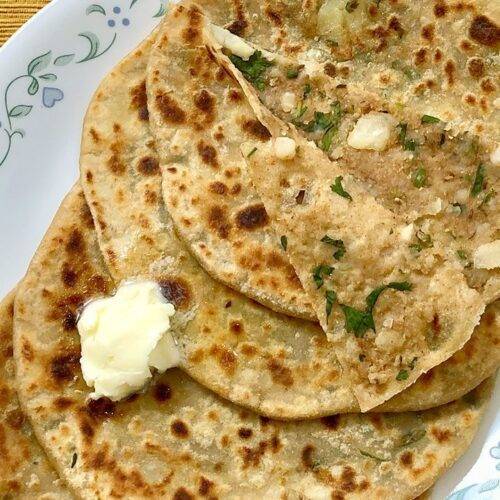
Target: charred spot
148	166
218	188
279	373
217	220
162	392
27	351
86	429
275	444
179	429
225	358
101	408
449	69
205	486
440	9
62	367
89	177
139	100
63	403
330	70
183	494
436	324
264	421
406	459
115	163
441	435
68	276
299	199
306	455
395	25
15	419
238	27
236	327
235	96
274	17
252	456
236	189
169	109
255	128
252	217
475	66
331	422
428	32
95	136
176	291
438	55
69	321
488	317
75	242
97	284
376	420
86	216
484	31
208	154
245	433
205	102
348	483
420	56
487	86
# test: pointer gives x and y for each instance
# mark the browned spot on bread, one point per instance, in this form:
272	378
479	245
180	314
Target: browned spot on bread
248	350
139	100
488	317
376	420
151	197
148	166
395	25
62	403
162	392
217	220
15	419
205	102
256	129
252	217
225	358
484	31
331	422
330	70
238	27
245	433
176	291
235	96
236	327
62	367
169	109
95	136
449	69
236	189
218	188
487	86
279	373
75	243
183	494
348	483
440	9
27	351
86	429
441	435
101	408
273	16
179	429
475	66
306	455
428	32
68	276
252	456
438	55
208	154
406	459
89	177
420	56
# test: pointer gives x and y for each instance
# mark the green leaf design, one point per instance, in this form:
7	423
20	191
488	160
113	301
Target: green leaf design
34	86
133	2
39	63
50	77
95	44
20	111
64	59
95	8
161	11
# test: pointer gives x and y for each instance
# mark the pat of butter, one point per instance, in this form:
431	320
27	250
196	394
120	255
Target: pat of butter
487	256
285	148
495	156
231	42
123	337
372	131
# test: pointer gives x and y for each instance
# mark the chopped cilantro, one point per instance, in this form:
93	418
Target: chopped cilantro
408	71
338	188
292	73
429	119
424	241
478	184
462	254
251	152
402	375
326	122
351	6
371	455
412	437
408	144
253	69
487	197
419	177
307	90
319	272
331	297
338	244
400	286
284	242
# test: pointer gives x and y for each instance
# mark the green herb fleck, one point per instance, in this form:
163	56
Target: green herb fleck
411	364
408	144
429	119
408	71
402	375
251	152
462	254
292	73
351	6
307	90
338	244
331	297
327	122
371	455
487	197
284	242
319	272
412	437
424	241
419	177
338	188
477	185
253	69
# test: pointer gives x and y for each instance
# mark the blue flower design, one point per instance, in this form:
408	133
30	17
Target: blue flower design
112	22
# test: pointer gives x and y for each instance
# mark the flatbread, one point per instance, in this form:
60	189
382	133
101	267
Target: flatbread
26	471
437	170
271	363
179	440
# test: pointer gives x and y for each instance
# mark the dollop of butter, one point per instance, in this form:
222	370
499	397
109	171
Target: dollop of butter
372	131
285	148
123	337
487	256
231	42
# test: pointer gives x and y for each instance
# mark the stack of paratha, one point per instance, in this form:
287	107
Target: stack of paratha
313	185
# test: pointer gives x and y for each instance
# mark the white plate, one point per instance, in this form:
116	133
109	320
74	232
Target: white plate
48	73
